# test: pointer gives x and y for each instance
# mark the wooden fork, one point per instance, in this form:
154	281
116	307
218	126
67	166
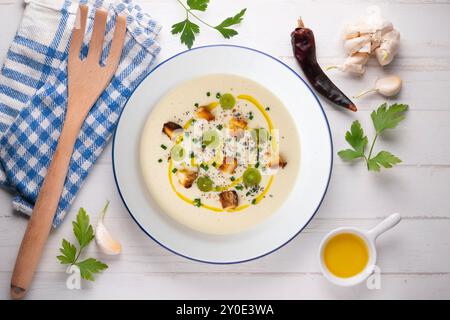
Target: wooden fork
86	81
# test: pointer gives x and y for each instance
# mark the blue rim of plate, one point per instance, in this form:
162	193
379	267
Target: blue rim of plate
264	254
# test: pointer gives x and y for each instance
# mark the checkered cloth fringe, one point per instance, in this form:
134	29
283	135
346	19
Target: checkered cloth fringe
33	94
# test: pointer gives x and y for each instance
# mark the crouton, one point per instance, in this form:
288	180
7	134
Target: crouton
204	113
186	177
236	123
281	163
171	129
229	199
228	165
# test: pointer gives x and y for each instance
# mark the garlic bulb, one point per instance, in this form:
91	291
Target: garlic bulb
370	34
103	238
388	86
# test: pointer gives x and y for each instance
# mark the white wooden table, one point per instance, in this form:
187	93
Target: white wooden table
414	258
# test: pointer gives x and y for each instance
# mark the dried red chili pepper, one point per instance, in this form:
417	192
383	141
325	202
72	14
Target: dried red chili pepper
304	47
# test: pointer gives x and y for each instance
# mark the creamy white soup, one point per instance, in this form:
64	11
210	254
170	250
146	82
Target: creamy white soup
219	153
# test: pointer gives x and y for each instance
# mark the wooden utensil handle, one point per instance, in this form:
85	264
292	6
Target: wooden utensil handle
44	210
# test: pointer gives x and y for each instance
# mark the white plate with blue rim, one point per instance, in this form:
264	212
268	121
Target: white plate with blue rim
315	161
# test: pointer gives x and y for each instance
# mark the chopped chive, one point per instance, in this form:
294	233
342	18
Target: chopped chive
204	166
254	201
196	105
159	160
219	126
257	165
164	147
192	154
174	170
214	164
267	109
218	95
239	187
232	178
197	202
208	94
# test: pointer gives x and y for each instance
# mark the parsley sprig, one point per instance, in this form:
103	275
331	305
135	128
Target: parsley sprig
70	254
383	118
189	29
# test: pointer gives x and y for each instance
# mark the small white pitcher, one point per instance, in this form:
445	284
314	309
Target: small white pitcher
369	237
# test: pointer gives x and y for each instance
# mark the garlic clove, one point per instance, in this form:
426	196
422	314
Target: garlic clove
105	241
386	27
389	86
358	58
353	45
357	69
354	64
388	48
383	56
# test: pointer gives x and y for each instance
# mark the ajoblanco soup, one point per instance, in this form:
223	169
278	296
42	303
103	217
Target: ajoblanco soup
219	153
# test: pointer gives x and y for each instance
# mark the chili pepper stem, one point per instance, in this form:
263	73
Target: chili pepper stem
300	23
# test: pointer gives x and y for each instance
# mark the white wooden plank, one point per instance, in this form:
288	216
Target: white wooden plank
240	286
415	246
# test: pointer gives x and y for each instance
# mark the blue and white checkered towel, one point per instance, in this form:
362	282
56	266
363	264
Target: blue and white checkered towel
33	94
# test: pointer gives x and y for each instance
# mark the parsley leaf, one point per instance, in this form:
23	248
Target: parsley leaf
223	27
82	229
188	30
388	118
84	233
383	158
349	154
356	138
383	118
69	252
89	267
199	5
